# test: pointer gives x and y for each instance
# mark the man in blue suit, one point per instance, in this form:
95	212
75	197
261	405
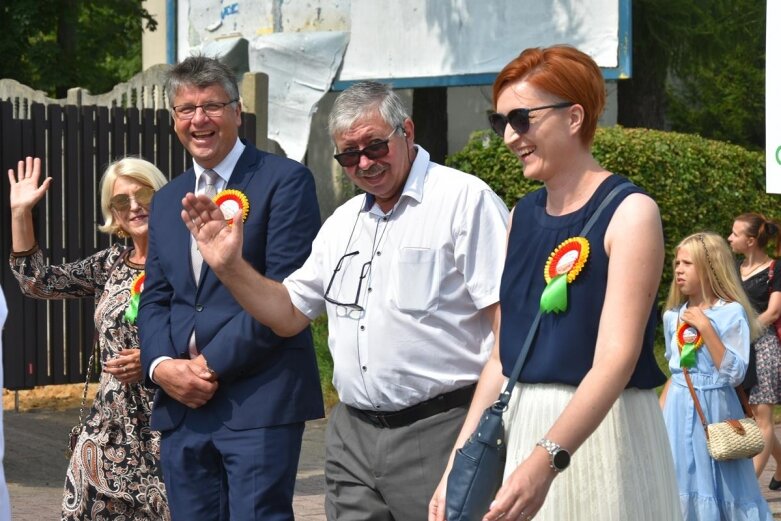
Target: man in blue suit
233	396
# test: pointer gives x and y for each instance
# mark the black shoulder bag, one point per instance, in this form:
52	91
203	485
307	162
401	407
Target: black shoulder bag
479	465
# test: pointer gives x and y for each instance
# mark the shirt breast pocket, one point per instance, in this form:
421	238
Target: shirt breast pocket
417	279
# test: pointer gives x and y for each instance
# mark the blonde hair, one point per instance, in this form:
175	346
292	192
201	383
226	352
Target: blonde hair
717	271
133	168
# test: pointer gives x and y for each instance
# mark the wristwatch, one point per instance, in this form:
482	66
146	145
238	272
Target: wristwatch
559	458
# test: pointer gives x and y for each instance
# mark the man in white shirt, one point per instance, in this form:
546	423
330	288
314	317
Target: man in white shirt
408	274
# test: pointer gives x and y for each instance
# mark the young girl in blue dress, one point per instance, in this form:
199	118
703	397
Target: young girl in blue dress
706	297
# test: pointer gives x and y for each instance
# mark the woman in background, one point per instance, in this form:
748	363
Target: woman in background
761	276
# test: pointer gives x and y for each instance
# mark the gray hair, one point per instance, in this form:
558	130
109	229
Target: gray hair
201	71
362	98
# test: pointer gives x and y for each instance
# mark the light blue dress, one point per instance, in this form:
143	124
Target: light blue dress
710	490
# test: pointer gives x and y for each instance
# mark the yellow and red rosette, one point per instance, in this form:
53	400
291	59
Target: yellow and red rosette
563	266
232	203
689	341
135	295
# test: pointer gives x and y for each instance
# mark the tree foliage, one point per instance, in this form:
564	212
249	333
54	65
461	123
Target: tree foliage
54	45
724	97
698	67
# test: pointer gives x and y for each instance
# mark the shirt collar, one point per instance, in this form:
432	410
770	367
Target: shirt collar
225	168
413	187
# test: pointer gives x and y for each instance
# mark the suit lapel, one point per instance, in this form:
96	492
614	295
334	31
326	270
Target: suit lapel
244	170
240	177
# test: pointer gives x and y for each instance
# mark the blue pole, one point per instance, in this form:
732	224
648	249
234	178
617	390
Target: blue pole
170	31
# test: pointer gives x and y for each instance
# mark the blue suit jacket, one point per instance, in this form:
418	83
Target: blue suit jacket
264	379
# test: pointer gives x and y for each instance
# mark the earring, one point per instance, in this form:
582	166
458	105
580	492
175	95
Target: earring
122	234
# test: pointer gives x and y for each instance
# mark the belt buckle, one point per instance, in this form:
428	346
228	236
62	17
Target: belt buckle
377	419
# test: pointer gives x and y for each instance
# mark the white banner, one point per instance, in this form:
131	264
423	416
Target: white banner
414	39
773	97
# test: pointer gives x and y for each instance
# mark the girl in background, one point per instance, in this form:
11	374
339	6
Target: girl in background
709	310
761	277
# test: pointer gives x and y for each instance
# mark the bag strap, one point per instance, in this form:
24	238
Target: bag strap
95	338
504	397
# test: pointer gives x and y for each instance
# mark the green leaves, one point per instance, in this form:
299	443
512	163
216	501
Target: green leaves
54	45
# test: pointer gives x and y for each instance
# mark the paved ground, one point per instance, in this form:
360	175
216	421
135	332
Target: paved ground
35	465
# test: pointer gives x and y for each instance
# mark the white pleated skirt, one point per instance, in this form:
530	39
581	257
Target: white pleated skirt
623	471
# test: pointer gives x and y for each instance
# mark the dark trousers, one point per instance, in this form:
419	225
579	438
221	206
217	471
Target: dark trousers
212	473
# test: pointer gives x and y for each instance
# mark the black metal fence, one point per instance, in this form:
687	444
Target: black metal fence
48	342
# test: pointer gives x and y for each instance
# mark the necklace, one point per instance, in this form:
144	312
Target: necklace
746	270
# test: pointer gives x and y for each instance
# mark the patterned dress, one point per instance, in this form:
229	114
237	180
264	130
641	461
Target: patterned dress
114	472
758	287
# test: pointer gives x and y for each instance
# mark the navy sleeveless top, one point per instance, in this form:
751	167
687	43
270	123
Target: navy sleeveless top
563	349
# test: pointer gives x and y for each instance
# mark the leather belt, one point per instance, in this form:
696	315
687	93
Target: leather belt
443	402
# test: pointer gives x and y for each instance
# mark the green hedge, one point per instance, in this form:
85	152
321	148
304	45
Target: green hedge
699	184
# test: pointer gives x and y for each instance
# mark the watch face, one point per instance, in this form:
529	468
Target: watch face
561	459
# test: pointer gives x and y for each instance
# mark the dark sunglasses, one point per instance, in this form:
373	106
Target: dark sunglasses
373	151
121	202
519	118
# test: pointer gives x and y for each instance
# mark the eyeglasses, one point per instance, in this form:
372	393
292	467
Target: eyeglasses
364	272
519	118
373	151
212	109
121	202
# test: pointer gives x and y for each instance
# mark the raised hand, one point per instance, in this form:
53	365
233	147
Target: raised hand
219	243
25	192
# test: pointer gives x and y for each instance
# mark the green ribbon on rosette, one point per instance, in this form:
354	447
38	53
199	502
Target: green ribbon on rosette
554	296
136	288
132	309
688	355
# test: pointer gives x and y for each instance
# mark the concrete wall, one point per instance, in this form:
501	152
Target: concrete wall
153	43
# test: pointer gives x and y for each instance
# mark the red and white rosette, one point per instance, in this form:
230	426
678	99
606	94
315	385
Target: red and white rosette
232	203
563	266
689	341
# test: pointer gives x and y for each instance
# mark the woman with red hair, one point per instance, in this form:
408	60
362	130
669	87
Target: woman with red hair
587	385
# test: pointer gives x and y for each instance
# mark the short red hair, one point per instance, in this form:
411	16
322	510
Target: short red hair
565	72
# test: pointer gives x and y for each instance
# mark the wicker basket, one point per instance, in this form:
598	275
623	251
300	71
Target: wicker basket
734	439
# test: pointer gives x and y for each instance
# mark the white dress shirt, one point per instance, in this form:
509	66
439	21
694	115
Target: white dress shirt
436	262
224	170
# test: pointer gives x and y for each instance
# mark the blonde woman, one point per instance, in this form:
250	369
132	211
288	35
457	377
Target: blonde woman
115	466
